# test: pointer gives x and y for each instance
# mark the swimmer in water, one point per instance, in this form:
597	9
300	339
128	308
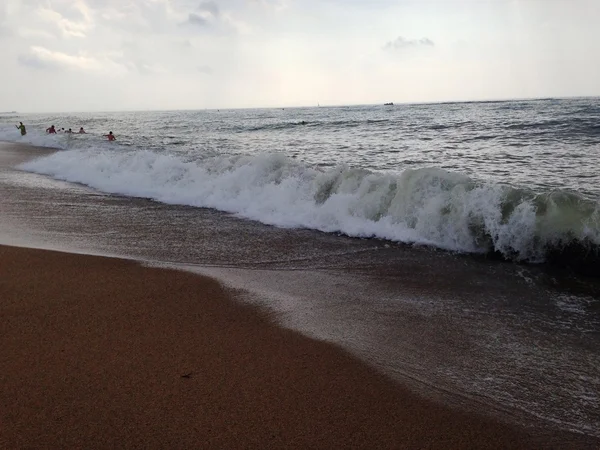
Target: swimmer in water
110	136
21	127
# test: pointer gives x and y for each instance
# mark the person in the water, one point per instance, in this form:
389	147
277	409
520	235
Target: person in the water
51	130
21	127
110	136
81	130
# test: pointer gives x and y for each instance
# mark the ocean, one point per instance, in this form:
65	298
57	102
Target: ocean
454	246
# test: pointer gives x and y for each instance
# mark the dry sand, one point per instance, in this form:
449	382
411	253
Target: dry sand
99	352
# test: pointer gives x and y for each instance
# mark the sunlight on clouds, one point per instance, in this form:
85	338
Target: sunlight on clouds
43	58
68	28
236	24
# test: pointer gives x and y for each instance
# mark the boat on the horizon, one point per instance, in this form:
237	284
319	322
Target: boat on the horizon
389	104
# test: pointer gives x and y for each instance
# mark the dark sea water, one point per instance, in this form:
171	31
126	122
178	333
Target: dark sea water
451	245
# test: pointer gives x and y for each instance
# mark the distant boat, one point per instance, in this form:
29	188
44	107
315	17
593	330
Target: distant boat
388	104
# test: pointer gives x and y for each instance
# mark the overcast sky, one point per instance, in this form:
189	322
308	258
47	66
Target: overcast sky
89	55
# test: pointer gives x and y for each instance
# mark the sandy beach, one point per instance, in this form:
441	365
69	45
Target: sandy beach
100	352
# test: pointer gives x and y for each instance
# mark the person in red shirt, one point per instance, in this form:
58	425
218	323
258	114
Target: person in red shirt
110	136
51	130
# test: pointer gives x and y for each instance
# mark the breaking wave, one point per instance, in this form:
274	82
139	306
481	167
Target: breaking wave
40	138
424	206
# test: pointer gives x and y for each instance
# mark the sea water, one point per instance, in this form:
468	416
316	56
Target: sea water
499	300
518	178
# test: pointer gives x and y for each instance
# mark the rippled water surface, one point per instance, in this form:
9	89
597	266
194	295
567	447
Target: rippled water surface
541	144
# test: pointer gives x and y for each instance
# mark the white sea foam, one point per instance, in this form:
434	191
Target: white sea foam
426	206
60	140
34	137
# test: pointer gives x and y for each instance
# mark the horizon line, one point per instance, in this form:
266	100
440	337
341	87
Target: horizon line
340	105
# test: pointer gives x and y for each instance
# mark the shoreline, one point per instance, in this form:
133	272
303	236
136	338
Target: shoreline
73	223
100	351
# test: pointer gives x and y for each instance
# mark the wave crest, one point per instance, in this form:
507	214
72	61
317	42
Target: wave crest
425	206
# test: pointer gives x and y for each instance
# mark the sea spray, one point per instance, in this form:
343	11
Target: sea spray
39	138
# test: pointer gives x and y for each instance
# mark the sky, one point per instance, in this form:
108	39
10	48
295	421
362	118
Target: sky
110	55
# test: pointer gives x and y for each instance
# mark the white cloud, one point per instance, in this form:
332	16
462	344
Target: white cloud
36	34
210	8
401	43
208	17
197	20
66	27
237	25
43	58
186	44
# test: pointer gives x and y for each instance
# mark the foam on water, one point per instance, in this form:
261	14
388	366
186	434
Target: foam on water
424	206
39	138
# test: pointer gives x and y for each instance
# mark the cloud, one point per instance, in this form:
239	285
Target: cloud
236	25
401	43
77	11
43	58
146	68
30	33
195	19
66	27
209	7
205	70
135	17
276	5
209	16
208	12
133	57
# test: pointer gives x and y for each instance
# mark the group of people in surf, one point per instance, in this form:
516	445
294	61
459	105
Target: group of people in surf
52	130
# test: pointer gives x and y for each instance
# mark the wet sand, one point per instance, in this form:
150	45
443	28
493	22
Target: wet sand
101	352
